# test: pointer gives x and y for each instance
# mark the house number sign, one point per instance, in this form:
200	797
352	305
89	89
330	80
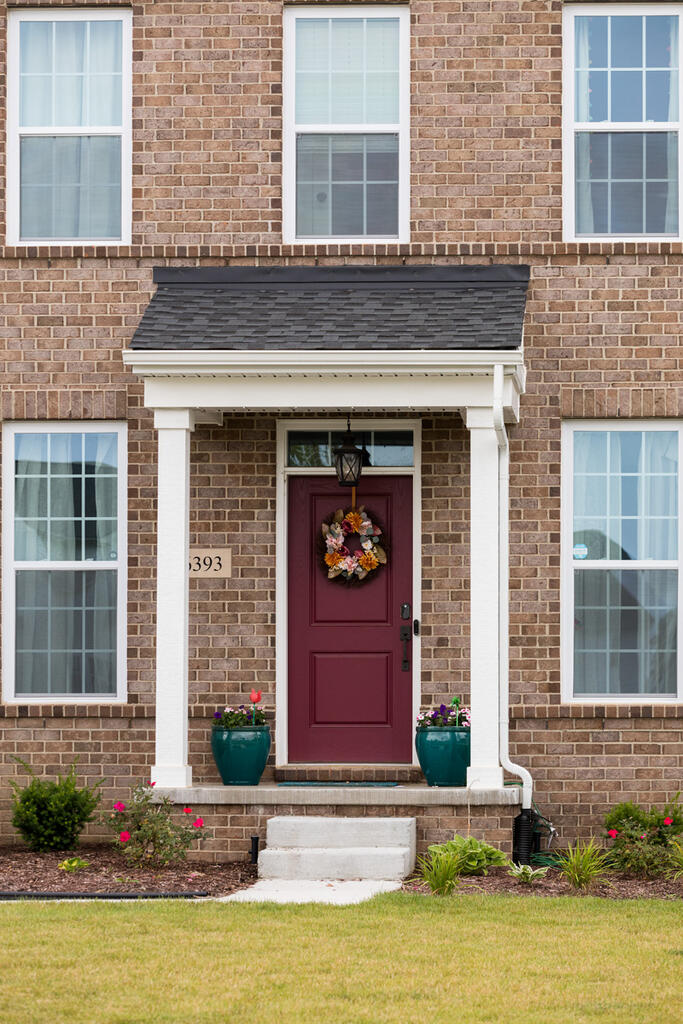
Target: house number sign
214	563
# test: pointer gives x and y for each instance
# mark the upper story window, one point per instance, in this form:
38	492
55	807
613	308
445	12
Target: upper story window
69	126
622	131
346	110
64	562
621	561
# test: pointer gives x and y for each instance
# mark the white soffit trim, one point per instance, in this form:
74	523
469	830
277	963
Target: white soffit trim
414	379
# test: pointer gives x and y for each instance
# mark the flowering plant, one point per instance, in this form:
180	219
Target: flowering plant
145	832
339	561
238	718
445	715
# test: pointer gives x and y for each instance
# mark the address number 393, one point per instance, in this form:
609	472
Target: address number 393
213	563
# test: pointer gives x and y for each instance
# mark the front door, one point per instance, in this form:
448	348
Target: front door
350	651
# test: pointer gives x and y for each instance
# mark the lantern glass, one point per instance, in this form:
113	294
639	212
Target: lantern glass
348	462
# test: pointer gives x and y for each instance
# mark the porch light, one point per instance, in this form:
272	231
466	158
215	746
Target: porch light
348	460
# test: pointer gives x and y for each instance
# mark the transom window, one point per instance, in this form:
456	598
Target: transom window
315	448
69	125
64	544
622	137
346	120
622	548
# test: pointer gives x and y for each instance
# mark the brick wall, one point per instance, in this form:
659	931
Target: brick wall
602	338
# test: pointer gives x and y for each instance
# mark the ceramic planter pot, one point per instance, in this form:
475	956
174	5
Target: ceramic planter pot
240	754
444	754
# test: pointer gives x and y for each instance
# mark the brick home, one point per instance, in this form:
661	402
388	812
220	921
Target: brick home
230	225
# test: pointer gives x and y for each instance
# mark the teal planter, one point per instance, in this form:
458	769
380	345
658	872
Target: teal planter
240	754
444	754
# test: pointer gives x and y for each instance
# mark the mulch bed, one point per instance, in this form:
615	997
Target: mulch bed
612	887
24	871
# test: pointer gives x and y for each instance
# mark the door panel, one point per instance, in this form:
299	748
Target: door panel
349	698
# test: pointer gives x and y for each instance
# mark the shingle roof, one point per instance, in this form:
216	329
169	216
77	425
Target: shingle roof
335	308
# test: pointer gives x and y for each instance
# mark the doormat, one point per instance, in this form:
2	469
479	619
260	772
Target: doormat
338	784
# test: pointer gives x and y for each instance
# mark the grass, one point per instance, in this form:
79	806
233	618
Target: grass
399	959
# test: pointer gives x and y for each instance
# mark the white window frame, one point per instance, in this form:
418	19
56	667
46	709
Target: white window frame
570	127
15	131
569	564
10	566
290	129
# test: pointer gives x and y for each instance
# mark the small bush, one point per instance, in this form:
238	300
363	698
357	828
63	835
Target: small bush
525	874
583	864
473	856
636	853
440	870
51	814
146	833
676	855
643	841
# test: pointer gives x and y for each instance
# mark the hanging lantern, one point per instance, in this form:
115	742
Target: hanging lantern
348	459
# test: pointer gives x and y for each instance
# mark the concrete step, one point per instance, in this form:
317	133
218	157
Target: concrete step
295	831
314	864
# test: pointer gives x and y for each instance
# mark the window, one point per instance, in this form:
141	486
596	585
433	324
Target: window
69	126
621	554
346	109
64	579
622	137
312	448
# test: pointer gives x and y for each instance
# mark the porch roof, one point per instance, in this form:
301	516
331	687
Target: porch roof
335	308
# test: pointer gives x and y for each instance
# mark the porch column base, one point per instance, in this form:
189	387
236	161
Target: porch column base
485	776
173	776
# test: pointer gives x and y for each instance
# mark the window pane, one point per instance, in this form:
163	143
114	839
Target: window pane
627	96
591	42
66	632
347	185
382	447
308	448
626	183
627	41
70	187
625	634
661	49
347	71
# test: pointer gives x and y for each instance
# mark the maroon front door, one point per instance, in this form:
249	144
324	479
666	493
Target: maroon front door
350	688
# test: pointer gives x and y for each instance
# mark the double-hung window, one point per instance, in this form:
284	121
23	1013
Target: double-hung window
346	110
622	129
64	555
621	561
69	126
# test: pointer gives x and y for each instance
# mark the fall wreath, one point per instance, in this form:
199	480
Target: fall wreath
346	560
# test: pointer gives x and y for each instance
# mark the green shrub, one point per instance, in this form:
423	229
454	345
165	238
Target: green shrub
146	833
51	814
626	813
660	825
676	855
473	856
440	870
643	841
525	874
583	864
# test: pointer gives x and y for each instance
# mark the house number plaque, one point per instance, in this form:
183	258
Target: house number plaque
210	563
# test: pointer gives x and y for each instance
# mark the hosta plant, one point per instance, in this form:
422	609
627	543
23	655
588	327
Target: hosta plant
472	856
525	874
145	831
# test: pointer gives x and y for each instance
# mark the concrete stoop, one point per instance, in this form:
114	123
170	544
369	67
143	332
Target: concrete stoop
317	848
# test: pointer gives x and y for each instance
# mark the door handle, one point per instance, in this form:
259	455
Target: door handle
404	636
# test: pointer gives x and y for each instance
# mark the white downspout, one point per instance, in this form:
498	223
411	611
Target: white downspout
503	585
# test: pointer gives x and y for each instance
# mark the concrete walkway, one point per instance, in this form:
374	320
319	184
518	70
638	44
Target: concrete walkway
276	890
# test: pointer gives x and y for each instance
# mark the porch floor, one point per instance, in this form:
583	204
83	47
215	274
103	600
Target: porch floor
419	795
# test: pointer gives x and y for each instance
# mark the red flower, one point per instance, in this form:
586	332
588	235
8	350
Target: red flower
668	821
151	783
124	836
198	823
119	807
255	696
187	810
613	833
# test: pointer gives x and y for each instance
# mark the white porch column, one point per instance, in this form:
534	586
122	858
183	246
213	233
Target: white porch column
485	600
173	540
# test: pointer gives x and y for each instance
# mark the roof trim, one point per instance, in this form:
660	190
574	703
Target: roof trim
357	276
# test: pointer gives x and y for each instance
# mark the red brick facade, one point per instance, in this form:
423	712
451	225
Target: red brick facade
602	339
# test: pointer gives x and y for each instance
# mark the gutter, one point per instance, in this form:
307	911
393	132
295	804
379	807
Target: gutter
503	591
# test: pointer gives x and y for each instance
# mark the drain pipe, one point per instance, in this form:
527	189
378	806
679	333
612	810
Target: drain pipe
504	599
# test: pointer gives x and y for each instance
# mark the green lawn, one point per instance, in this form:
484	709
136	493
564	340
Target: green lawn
401	959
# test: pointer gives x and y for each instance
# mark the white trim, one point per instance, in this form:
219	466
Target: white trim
569	564
289	127
570	127
13	205
120	564
283	472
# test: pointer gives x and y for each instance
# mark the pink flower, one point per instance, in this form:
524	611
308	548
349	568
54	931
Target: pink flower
151	783
119	806
198	823
124	836
644	835
613	833
668	821
187	810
